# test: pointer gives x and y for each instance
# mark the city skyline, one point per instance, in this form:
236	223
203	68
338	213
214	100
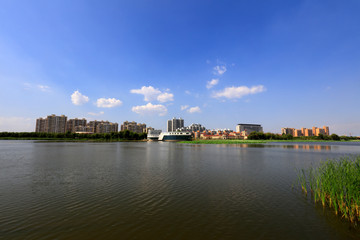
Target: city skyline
216	63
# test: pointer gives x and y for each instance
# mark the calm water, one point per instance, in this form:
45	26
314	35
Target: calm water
162	191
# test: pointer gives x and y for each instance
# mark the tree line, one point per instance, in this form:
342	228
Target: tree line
122	135
272	136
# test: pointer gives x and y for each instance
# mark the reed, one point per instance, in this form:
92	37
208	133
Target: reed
336	184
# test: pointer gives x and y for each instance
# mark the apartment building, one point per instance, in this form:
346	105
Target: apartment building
106	127
306	132
40	125
174	124
287	131
134	127
98	127
73	123
51	124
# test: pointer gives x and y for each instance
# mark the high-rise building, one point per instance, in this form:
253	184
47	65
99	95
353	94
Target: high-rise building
106	127
287	131
97	127
297	133
91	126
248	128
303	131
73	123
315	131
51	124
174	124
134	127
40	125
326	129
55	124
308	132
194	127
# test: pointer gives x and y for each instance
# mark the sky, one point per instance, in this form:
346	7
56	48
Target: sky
217	63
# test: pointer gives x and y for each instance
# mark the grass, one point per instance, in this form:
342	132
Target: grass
336	184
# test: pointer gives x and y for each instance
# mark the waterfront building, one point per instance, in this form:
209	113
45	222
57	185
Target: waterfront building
40	125
134	127
307	132
84	129
55	124
106	127
194	127
174	124
220	135
91	126
175	136
297	133
287	131
97	127
303	131
51	124
149	129
153	134
249	128
326	129
71	124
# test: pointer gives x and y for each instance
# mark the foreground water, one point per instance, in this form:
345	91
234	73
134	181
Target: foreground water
163	191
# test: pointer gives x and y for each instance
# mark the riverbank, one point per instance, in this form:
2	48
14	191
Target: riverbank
74	140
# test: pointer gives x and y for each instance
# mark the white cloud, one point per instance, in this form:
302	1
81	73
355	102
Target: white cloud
95	114
219	70
108	103
165	97
78	99
187	92
194	110
238	92
43	88
212	83
183	107
150	109
17	124
150	93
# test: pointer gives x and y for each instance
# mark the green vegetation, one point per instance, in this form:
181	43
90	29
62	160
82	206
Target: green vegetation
114	136
269	136
272	136
335	183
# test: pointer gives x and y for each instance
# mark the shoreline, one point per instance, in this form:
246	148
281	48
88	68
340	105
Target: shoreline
203	141
259	141
72	139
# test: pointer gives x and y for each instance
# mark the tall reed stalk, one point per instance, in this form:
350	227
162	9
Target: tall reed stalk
335	183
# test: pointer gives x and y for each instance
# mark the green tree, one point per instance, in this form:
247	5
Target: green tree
334	137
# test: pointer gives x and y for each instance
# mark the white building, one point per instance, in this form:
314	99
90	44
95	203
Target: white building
174	124
248	128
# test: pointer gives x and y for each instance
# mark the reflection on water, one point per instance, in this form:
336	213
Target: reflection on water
271	145
309	147
162	191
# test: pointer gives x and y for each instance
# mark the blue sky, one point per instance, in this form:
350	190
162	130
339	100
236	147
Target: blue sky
218	63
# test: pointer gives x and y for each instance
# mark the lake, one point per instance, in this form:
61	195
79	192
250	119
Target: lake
161	190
